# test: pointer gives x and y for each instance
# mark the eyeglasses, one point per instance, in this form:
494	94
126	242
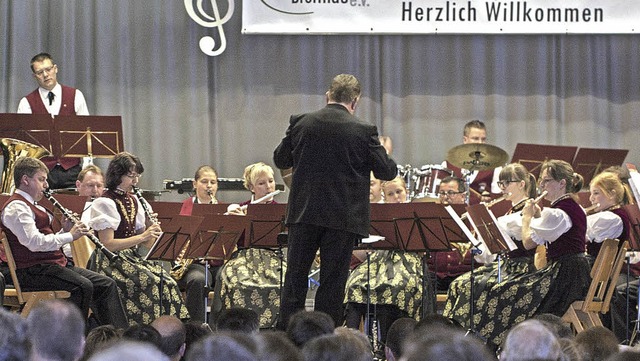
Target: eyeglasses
505	183
449	193
45	70
133	175
543	182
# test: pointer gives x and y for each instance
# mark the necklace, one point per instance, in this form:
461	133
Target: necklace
128	210
561	198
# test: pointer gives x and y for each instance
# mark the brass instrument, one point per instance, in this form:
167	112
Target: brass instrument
12	149
67	213
180	264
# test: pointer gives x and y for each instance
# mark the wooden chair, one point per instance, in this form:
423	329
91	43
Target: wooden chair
18	299
604	273
81	250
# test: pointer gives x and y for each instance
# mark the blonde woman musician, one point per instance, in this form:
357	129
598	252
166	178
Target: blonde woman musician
395	278
251	278
119	219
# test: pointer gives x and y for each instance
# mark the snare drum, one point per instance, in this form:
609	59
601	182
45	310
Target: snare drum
428	180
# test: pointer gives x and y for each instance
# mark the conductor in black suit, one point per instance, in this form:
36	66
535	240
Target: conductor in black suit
332	154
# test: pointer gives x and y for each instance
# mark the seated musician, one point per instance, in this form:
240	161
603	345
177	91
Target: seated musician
447	266
40	263
121	223
566	277
375	190
394	278
482	184
192	280
251	278
517	185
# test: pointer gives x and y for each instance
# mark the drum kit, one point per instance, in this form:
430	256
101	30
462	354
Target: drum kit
423	183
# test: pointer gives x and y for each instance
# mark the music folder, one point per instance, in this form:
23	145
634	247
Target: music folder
488	233
175	236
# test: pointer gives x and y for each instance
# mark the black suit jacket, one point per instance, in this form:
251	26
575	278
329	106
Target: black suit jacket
332	153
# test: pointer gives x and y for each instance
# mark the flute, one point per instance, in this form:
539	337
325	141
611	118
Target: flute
234	207
489	205
540	197
67	213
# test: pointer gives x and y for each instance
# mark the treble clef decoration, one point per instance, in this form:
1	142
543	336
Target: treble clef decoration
208	43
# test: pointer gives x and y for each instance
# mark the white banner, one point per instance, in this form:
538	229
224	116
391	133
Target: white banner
440	17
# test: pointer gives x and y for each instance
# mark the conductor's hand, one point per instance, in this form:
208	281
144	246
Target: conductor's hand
78	230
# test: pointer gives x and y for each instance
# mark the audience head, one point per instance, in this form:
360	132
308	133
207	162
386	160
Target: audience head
375	190
143	333
451	190
305	325
597	343
399	330
626	355
205	182
173	335
447	344
123	165
56	329
514	178
223	346
555	323
258	178
395	190
195	331
533	339
275	346
130	351
45	71
14	337
336	347
569	349
345	89
99	338
238	319
474	132
90	182
557	178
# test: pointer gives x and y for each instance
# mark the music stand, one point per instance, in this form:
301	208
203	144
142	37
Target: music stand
591	161
217	237
175	235
266	224
166	210
201	209
88	136
36	129
531	156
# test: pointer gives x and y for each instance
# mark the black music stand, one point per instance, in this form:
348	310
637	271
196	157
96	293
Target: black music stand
166	210
531	156
175	235
267	223
430	229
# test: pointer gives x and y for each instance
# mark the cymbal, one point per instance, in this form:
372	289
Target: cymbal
477	156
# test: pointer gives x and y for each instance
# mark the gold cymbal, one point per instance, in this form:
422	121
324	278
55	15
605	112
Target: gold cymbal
477	156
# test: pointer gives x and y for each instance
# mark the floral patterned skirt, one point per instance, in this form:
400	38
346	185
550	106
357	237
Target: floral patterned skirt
251	279
139	284
395	278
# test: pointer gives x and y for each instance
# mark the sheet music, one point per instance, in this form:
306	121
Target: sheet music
505	236
462	226
372	239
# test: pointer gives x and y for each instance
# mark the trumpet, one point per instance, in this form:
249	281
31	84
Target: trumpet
465	215
67	213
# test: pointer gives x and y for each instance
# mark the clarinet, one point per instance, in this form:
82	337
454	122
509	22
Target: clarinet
67	213
143	202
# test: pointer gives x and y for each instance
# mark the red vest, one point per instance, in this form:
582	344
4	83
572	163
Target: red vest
23	256
68	107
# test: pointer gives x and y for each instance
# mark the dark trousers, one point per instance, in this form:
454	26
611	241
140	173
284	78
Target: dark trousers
87	288
335	256
196	289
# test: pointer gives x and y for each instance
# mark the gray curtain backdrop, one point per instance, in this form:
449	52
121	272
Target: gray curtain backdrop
181	108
